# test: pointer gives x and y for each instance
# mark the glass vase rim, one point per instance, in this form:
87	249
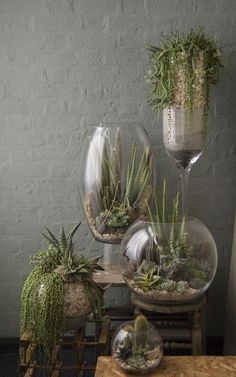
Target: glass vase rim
189	219
117	124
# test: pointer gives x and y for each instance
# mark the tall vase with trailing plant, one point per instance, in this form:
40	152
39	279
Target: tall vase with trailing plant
182	69
60	293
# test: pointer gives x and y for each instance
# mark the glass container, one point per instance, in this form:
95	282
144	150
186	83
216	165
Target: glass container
137	351
168	262
184	140
117	180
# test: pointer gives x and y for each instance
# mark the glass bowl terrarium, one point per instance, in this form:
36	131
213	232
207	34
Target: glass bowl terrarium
117	178
168	261
137	346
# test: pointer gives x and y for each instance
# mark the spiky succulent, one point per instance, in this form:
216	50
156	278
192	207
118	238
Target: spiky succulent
116	203
147	275
73	267
173	239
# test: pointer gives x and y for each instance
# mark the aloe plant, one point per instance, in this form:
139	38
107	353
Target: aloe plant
117	205
173	241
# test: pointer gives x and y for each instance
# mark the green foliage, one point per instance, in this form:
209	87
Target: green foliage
118	217
46	260
147	275
183	51
43	292
199	268
168	285
42	308
116	204
173	240
141	334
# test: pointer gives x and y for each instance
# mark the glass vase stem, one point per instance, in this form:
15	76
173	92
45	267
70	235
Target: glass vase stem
184	178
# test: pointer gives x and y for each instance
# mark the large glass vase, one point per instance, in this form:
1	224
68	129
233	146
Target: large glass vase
168	262
117	178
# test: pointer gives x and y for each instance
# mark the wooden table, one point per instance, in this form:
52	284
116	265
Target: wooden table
176	366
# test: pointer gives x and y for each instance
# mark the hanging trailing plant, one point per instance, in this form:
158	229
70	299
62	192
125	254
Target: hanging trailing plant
182	69
59	286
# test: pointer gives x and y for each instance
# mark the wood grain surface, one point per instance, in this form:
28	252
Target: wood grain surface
176	366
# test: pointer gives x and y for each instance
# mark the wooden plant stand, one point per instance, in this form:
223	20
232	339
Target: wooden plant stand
182	326
76	342
190	315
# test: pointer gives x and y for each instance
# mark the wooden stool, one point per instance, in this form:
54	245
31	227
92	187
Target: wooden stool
196	318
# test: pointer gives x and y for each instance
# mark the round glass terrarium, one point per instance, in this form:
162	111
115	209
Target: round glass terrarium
169	262
117	178
137	346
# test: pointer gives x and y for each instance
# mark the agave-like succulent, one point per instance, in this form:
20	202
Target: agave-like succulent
147	275
61	253
61	257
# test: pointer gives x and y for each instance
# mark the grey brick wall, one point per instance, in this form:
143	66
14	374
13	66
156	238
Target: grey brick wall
67	63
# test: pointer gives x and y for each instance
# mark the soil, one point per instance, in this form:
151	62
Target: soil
114	236
164	296
77	307
147	365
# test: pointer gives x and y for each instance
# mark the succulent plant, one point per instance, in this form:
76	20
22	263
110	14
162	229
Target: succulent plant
168	285
140	334
117	205
147	275
43	292
194	57
173	242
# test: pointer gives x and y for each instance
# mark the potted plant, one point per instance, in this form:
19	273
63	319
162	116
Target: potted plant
182	69
169	259
60	293
117	180
137	346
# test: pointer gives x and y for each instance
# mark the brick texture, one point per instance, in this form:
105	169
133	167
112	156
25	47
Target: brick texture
67	63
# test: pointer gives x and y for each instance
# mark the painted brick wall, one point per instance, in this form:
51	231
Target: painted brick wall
67	63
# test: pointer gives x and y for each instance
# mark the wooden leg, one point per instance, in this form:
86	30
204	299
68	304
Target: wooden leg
196	332
203	324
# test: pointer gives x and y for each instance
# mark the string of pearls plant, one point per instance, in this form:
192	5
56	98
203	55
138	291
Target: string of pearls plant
182	69
58	271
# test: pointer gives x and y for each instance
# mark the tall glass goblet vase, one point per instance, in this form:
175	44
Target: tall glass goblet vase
184	140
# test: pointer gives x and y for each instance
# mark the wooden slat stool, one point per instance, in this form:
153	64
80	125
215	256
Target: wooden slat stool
195	313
